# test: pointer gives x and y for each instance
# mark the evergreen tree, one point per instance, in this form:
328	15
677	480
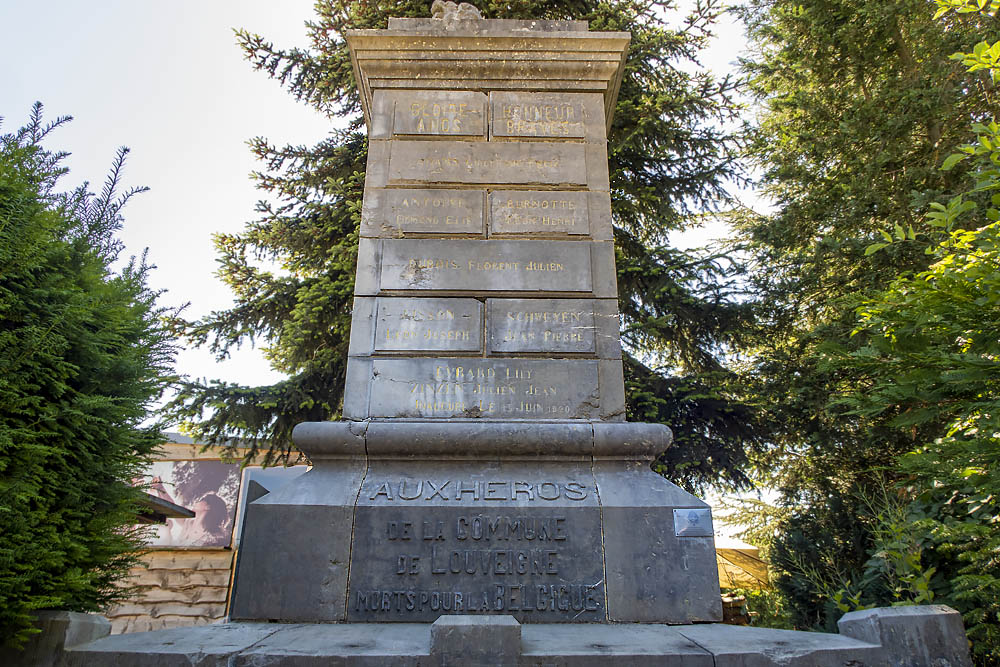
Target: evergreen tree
83	353
669	162
860	106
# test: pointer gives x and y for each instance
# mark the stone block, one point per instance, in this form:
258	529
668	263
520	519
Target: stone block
555	326
547	115
477	538
543	213
482	163
475	388
429	113
362	339
402	212
476	641
610	646
741	646
202	646
338	644
417	325
502	266
918	636
58	631
296	548
653	575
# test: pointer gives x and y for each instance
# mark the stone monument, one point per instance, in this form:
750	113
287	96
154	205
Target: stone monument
485	466
484	502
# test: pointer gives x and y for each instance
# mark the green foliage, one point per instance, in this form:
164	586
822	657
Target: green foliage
83	353
766	607
861	106
669	163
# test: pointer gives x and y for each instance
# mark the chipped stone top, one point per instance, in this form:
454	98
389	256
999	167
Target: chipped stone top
487	54
481	25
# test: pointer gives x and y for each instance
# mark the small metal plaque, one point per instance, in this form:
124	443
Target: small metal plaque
691	522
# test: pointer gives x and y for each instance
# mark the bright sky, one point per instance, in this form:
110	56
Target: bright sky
167	80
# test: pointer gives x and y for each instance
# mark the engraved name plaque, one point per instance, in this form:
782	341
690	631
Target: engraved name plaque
542	325
446	113
401	212
550	115
412	162
498	388
428	325
487	266
541	213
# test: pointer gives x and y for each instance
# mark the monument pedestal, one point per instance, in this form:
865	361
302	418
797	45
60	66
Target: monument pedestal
552	522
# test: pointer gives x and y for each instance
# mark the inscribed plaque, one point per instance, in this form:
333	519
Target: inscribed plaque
541	325
439	112
487	162
486	266
496	388
550	115
428	325
543	212
399	212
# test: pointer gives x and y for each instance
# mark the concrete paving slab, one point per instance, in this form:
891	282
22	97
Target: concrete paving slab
591	645
203	646
740	646
374	645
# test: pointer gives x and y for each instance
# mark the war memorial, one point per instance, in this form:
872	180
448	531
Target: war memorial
484	501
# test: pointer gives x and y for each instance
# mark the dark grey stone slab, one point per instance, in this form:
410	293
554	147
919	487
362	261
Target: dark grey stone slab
464	162
918	635
203	646
57	631
296	548
542	325
393	213
742	646
653	575
485	266
489	641
610	645
539	213
496	388
439	112
547	115
501	539
428	325
339	644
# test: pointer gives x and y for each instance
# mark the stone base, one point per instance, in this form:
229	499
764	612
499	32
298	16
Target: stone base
548	522
500	641
57	631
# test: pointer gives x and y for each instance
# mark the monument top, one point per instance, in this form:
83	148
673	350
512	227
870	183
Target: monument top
461	53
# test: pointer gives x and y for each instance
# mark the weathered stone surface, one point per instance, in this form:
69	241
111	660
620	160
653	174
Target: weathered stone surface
393	213
547	115
484	266
653	575
288	569
428	325
58	631
539	213
508	538
204	646
476	641
611	646
932	635
465	162
497	388
485	441
338	644
740	646
445	113
542	325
